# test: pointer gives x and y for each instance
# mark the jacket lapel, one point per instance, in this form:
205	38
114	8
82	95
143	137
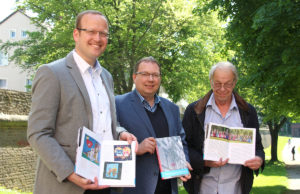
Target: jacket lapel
140	111
74	71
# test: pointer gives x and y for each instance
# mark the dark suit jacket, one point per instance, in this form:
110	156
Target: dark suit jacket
133	117
60	105
193	123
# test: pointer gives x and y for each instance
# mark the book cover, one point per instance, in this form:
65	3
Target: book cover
171	157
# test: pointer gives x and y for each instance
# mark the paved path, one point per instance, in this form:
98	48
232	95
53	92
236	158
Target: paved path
292	166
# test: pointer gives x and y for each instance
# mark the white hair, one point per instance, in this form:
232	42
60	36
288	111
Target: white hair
223	65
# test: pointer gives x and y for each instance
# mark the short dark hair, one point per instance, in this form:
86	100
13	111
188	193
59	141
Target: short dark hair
149	59
80	15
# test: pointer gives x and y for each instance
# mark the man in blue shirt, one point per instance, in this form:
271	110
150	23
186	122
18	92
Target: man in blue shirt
222	106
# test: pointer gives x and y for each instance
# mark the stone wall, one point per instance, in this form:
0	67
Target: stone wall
14	102
17	159
17	167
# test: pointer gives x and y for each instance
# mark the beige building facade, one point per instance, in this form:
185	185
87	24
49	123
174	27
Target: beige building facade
14	28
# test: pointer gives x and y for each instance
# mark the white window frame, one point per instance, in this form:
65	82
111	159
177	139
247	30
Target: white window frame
10	32
5	87
1	64
28	83
26	34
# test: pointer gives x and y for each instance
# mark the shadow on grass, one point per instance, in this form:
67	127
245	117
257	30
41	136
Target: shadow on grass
274	169
268	189
294	171
292	192
261	190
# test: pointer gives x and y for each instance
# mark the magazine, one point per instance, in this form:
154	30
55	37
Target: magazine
235	143
112	162
171	157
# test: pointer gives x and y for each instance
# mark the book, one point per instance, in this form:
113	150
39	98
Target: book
112	162
235	143
171	158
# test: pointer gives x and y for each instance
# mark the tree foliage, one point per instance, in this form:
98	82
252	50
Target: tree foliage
266	37
165	29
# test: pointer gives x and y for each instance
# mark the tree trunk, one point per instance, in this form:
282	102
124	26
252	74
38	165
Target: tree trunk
274	127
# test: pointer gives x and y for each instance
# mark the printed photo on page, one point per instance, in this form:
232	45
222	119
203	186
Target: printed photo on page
235	143
112	162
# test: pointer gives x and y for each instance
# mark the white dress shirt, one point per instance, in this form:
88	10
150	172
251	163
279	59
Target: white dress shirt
225	179
98	97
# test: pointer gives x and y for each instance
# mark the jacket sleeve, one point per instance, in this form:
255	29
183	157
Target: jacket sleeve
181	133
193	131
42	124
259	149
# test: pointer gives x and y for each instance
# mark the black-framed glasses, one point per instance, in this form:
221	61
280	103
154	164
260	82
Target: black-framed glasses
225	85
94	32
148	75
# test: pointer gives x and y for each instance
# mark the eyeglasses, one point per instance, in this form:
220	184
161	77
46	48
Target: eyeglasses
220	85
94	32
148	75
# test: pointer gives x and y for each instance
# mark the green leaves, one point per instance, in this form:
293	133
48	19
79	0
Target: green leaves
266	37
185	44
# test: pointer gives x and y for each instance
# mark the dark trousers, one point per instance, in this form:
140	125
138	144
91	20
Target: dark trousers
102	191
163	186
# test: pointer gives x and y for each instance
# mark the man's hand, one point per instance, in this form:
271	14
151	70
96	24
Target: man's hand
125	136
254	163
186	177
215	164
86	183
147	145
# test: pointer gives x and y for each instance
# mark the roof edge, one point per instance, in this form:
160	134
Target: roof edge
13	13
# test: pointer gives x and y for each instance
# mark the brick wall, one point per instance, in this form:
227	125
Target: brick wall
14	102
17	159
17	167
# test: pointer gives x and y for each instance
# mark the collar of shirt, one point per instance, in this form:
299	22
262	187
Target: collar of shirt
212	103
84	66
146	104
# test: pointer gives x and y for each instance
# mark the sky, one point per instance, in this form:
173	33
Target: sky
6	8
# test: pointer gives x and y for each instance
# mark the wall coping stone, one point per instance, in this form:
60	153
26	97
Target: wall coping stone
5	117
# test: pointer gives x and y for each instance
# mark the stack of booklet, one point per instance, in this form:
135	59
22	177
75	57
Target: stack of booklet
112	162
235	143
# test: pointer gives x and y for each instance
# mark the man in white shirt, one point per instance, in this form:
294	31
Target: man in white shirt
67	94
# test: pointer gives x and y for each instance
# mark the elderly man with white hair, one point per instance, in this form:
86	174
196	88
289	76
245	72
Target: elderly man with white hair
221	105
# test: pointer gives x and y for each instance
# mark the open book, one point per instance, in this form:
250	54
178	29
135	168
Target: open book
235	143
113	162
171	157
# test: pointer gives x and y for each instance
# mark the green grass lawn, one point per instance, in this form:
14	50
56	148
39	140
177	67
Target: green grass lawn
274	177
8	191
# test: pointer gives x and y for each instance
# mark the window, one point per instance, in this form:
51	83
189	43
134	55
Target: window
3	59
3	84
24	34
28	85
12	33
